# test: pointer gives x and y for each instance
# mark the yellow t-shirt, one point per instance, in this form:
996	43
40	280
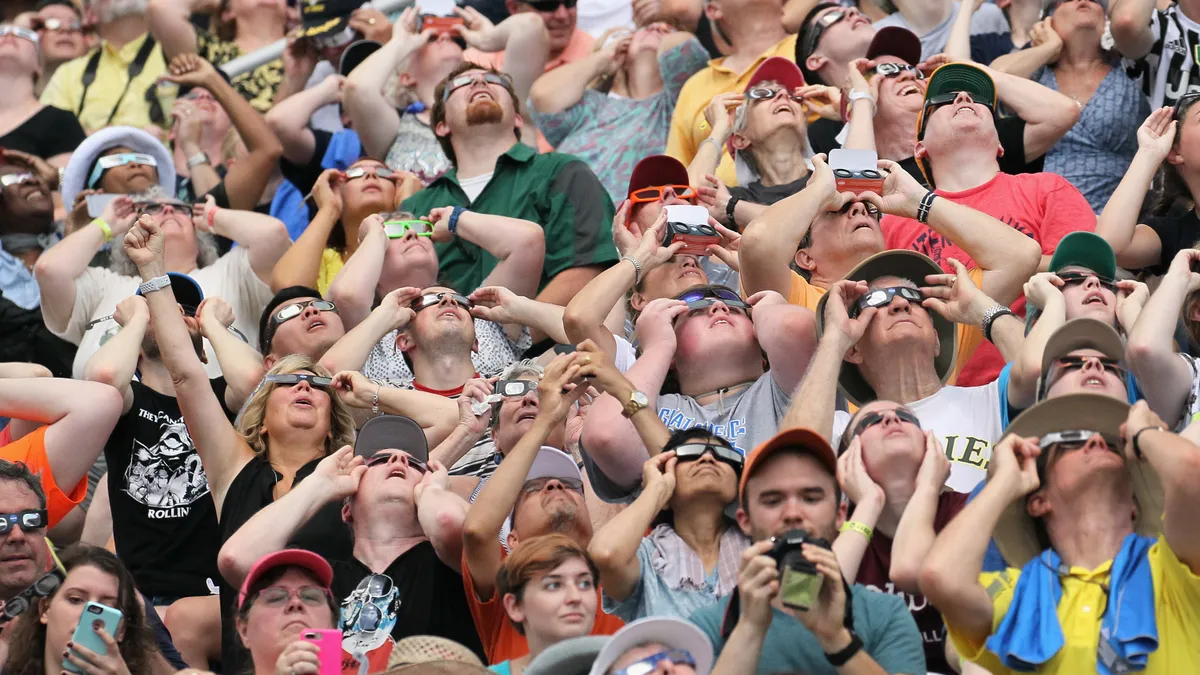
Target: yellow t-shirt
331	264
1081	610
969	337
65	88
688	126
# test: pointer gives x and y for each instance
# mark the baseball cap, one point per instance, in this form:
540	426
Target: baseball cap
1088	250
355	54
569	657
187	292
906	265
958	77
777	69
391	432
669	631
657	170
284	295
799	438
325	17
549	463
896	41
290	557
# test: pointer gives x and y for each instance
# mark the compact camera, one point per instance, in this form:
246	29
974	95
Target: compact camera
689	224
799	580
856	171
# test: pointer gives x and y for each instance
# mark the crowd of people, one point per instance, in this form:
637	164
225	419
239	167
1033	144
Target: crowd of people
599	337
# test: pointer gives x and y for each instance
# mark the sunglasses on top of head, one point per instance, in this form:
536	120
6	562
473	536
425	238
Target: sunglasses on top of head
768	93
431	299
1072	278
17	31
873	418
384	457
548	6
464	80
896	69
317	381
694	450
818	27
882	297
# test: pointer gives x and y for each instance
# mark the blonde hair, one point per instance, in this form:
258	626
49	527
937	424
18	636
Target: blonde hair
252	423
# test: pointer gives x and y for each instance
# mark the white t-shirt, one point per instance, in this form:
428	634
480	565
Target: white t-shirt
98	290
474	186
966	421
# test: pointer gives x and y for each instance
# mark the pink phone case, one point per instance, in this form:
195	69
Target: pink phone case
330	642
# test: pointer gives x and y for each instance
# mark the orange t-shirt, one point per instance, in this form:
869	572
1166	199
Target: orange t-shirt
500	638
31	450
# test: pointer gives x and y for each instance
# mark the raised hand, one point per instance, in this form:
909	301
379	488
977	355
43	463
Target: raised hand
658	473
714	196
955	296
1043	34
129	308
144	245
340	473
1014	465
214	314
935	466
853	477
192	70
372	24
824	186
437	476
494	303
478	31
600	372
1042	288
719	114
1131	298
327	190
826	618
91	663
843	295
1186	265
758	585
440	217
119	214
902	194
399	304
355	389
1140	417
1156	136
299	658
727	250
561	387
474	397
656	323
203	214
823	100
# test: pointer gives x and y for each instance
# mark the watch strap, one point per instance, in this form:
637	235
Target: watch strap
989	319
452	224
155	284
731	211
839	659
197	159
632	405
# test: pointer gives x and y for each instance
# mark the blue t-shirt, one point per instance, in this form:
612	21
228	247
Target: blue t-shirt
881	621
503	668
288	204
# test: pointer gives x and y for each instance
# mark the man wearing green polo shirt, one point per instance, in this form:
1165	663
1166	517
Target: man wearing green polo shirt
476	121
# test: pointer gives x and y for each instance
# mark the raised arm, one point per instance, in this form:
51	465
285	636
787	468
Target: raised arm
1176	460
436	415
950	575
958	44
496	500
353	289
517	244
18	429
499	304
116	362
351	351
301	263
523	38
868	500
1047	46
1048	114
564	86
289	118
170	24
787	334
81	415
241	365
248	178
861	132
1138	245
265	238
335	478
614	547
1130	26
222	450
1164	376
1043	290
914	534
441	513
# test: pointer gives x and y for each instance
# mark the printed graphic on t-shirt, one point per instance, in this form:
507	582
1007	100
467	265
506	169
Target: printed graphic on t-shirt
167	477
367	619
732	432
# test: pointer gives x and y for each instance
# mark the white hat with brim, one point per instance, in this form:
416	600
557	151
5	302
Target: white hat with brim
1016	533
671	632
75	176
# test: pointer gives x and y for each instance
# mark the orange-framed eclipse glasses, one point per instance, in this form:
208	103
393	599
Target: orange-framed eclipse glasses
655	193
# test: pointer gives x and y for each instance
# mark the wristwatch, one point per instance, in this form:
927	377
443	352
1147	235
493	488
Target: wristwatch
197	159
858	96
155	284
841	658
637	402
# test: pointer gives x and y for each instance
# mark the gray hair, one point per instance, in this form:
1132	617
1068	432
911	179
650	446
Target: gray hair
119	9
206	244
523	368
741	118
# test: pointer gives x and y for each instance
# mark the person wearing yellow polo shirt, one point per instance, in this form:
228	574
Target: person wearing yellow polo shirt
1092	502
756	30
115	84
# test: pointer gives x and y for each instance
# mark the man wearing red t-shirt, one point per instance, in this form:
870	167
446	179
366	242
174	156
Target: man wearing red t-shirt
958	151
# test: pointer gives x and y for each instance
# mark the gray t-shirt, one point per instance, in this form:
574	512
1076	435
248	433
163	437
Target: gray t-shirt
745	419
988	19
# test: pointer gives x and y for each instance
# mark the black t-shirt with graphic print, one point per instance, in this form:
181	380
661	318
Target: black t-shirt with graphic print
164	521
417	594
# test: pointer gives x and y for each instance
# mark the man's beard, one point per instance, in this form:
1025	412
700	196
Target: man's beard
151	351
484	111
119	9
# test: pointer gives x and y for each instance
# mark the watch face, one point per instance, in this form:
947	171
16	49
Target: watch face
640	399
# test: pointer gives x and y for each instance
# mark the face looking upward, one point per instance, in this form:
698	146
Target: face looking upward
704	477
903	93
679	273
960	123
411	260
472	99
312	332
23	555
1072	469
549	506
130	178
845	39
900	323
516	416
445	327
840	240
18	54
769	116
718	331
65	41
558	15
23	201
1086	371
369	193
1088	296
300	406
888	441
391	477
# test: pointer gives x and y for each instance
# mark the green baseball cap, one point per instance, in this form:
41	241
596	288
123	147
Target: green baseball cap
1085	249
953	78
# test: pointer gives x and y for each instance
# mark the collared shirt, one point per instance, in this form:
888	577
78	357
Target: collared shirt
1081	610
557	191
17	283
688	127
579	47
65	88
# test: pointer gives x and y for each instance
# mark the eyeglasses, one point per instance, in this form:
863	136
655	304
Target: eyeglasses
818	27
881	297
397	229
768	93
28	521
690	452
385	457
678	657
871	419
296	378
155	208
23	33
548	6
464	80
44	587
297	308
431	299
10	179
1072	278
657	192
896	69
57	25
539	484
515	388
278	596
112	161
360	171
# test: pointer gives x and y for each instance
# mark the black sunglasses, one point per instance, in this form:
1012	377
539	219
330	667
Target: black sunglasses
548	6
718	292
296	378
28	521
818	27
539	484
384	457
1083	277
871	419
895	70
881	297
431	299
692	451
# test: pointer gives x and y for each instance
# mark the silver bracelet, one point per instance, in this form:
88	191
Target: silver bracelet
375	400
710	139
637	268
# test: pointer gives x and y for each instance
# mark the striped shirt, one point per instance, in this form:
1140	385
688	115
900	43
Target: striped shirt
1170	69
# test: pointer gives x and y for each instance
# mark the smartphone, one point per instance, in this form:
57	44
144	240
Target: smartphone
689	223
95	615
96	203
329	641
856	171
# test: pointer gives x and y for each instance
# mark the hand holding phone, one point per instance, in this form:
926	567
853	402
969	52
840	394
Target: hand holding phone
329	642
95	617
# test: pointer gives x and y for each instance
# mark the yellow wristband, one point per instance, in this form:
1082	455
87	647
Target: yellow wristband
103	225
855	526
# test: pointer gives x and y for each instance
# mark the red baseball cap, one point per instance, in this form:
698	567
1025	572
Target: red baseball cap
801	439
896	41
657	170
289	557
777	69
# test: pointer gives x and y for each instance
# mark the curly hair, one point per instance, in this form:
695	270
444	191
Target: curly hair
206	244
27	643
252	426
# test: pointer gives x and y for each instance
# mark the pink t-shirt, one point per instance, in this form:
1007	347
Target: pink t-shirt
579	47
1043	206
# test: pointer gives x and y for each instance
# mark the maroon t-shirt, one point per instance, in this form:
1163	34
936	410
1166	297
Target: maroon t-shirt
873	573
